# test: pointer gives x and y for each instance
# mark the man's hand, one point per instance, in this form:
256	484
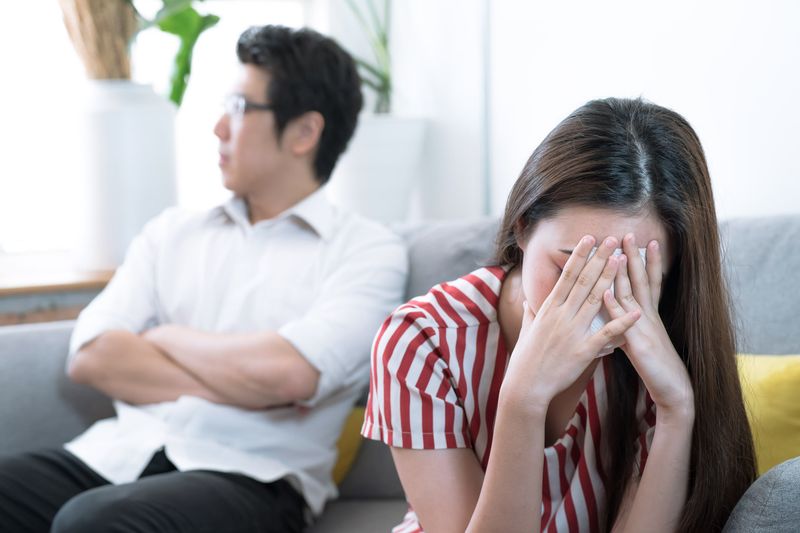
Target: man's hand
127	367
251	370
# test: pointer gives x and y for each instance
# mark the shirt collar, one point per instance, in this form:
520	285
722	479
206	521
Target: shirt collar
236	211
315	210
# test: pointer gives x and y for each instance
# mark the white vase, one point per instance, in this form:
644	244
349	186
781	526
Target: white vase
377	173
128	168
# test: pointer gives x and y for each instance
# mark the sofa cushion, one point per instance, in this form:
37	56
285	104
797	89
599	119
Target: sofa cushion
349	516
373	474
770	504
771	388
348	444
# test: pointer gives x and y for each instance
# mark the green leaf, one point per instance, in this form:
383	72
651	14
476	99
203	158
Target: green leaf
375	75
187	24
372	84
372	69
387	23
376	20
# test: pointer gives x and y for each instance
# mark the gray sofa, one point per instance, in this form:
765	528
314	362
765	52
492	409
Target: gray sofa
39	407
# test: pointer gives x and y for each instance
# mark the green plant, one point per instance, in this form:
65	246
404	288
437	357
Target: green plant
377	76
179	18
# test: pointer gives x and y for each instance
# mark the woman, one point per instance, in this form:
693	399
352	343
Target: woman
494	390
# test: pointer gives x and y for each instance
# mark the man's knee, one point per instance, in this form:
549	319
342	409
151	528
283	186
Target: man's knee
103	509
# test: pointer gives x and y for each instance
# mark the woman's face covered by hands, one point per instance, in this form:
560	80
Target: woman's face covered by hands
549	244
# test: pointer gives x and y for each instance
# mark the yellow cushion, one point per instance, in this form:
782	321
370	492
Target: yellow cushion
771	388
348	444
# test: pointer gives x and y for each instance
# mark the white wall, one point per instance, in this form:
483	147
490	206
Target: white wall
439	73
438	67
729	67
37	101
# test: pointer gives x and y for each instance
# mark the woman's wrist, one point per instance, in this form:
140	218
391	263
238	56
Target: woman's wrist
530	402
678	414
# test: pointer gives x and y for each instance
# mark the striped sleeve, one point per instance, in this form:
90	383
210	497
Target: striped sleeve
412	400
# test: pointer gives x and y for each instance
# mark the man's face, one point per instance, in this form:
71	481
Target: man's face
250	155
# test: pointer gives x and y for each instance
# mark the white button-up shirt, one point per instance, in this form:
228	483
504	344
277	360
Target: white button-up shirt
321	278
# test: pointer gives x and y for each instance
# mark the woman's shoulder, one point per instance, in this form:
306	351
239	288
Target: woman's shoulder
469	300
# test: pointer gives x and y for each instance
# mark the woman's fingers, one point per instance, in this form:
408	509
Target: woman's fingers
589	276
594	300
615	310
622	286
636	270
572	270
622	322
654	271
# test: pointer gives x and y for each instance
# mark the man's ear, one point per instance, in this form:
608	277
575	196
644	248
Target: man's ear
303	133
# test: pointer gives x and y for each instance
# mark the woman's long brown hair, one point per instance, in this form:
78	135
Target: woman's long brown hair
630	156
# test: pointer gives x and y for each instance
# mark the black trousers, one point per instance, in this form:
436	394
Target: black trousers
54	489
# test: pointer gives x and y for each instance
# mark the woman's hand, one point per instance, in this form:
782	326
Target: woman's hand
555	345
647	343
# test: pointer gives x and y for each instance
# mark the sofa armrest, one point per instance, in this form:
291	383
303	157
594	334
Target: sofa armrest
770	505
40	407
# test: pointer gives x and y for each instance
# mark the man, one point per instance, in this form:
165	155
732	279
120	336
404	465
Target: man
234	342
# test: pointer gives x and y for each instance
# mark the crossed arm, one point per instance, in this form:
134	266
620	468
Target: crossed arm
249	370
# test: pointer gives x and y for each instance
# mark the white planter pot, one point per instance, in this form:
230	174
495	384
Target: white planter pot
129	168
377	173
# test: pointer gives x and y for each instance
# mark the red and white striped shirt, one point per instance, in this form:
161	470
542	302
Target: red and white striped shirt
437	365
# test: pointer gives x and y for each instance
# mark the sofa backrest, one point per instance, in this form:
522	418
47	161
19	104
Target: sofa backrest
762	262
442	251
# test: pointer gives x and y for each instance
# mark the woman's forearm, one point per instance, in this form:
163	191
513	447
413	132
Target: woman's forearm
661	494
511	494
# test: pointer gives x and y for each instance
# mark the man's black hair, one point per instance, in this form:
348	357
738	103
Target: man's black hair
308	72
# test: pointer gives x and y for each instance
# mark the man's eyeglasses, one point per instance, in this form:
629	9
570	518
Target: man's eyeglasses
236	105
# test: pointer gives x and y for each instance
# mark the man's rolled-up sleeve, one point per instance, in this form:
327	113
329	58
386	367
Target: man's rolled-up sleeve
335	335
